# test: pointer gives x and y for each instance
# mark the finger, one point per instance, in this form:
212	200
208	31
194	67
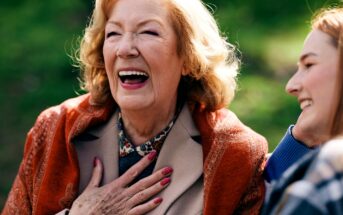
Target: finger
136	169
149	181
146	194
145	208
96	175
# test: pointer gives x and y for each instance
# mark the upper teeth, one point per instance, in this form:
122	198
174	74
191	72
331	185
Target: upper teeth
305	103
125	73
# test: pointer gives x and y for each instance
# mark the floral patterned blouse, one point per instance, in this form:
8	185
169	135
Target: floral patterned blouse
155	143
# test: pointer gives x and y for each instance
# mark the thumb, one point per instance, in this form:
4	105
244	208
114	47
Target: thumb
96	175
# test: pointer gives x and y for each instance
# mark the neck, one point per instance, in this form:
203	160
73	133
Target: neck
143	125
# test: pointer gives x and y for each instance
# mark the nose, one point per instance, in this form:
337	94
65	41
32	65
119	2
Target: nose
293	86
127	47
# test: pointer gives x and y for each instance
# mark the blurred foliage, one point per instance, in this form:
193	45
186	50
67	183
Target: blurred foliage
36	72
36	37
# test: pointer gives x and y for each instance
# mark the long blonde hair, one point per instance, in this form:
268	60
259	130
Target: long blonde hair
210	61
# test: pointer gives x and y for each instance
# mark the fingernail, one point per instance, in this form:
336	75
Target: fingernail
165	181
152	155
158	200
167	171
95	161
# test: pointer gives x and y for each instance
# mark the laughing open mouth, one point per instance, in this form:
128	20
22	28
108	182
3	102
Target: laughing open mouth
133	77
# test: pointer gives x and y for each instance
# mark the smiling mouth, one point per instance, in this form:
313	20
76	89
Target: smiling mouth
305	103
133	77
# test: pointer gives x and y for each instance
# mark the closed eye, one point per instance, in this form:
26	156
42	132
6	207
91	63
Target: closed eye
153	33
110	34
308	65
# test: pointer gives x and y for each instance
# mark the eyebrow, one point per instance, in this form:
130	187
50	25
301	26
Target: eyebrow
139	24
304	56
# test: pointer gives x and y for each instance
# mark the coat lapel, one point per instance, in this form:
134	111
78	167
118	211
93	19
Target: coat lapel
184	155
98	142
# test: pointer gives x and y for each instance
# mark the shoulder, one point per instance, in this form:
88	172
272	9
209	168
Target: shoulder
231	131
234	157
72	110
54	118
327	165
67	120
56	126
332	151
68	107
223	133
62	110
312	185
314	180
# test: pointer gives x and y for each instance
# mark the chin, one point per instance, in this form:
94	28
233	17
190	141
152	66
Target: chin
133	106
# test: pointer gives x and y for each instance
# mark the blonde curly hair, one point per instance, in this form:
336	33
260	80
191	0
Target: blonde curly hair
210	60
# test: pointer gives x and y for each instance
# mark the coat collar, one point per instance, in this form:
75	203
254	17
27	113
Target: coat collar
100	142
186	159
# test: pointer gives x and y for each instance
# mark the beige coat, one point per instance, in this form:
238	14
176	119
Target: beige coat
184	195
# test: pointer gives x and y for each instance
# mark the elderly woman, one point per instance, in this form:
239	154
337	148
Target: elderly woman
314	184
159	77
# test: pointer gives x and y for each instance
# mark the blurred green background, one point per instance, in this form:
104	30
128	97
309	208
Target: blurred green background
37	36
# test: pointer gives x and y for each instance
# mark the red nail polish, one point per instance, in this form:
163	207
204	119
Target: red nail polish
152	155
95	162
158	200
165	181
167	171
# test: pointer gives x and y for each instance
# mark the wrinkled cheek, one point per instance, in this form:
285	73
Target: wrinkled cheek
109	66
113	81
108	56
